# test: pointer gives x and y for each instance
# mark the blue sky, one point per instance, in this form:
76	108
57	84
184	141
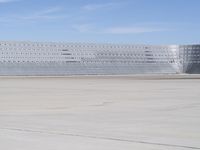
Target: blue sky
102	21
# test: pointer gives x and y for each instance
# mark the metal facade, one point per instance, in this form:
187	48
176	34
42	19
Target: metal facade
40	58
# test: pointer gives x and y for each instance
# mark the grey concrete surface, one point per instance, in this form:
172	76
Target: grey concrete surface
101	113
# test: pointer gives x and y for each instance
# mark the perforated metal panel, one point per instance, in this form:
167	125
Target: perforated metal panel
190	58
37	58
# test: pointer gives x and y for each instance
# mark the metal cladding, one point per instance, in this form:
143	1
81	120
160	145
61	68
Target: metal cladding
42	58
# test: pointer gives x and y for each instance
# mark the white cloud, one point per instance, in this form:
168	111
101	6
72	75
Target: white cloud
52	13
50	10
92	7
91	28
7	1
48	14
83	28
132	30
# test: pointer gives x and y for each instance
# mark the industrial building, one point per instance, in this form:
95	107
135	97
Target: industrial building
49	58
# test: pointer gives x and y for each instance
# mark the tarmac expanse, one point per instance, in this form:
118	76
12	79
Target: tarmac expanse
100	113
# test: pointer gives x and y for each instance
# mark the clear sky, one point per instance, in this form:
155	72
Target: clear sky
110	21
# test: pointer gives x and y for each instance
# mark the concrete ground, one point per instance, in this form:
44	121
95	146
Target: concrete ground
99	113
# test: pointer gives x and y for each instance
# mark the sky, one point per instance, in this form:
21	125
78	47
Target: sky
101	21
